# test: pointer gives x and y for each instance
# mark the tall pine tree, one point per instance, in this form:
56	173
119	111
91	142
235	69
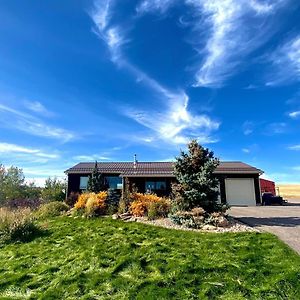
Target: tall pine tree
196	184
97	181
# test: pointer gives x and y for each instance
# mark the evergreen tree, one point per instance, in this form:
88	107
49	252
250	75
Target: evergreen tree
96	181
54	190
197	185
112	201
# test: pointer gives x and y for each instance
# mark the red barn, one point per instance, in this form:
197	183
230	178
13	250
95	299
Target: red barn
267	186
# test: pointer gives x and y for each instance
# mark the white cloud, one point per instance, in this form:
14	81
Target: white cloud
43	172
37	107
275	128
111	35
154	5
294	147
176	125
294	114
173	123
246	150
286	63
232	28
8	149
248	127
90	158
236	28
18	120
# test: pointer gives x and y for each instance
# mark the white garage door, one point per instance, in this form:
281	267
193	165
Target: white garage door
240	191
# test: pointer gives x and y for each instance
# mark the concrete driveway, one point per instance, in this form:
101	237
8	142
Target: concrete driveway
283	221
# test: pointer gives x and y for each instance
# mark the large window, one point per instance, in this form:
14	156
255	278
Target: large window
155	186
114	182
83	183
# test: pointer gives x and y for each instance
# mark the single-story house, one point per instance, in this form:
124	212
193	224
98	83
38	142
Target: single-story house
239	182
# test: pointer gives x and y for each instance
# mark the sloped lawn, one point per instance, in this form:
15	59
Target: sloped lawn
108	259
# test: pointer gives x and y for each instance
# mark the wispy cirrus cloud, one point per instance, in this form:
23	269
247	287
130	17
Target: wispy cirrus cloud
177	125
232	29
18	120
154	5
286	63
173	124
236	28
110	34
294	147
37	107
26	155
275	128
92	157
248	127
7	148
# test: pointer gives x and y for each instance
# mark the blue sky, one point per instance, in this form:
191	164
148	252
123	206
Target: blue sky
104	79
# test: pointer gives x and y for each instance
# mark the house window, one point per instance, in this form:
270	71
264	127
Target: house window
83	183
114	182
155	186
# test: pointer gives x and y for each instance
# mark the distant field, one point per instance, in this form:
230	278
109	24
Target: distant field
289	191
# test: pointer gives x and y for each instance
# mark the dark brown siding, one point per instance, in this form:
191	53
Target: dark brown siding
74	180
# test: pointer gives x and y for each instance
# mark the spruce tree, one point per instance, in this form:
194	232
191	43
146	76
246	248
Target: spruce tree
196	184
96	181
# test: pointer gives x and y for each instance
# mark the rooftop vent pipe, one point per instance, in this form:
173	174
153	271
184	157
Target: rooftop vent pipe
134	161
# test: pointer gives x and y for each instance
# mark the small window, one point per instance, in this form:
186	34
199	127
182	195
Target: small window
160	185
83	183
155	186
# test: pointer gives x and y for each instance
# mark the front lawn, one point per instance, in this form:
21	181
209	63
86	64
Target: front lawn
109	259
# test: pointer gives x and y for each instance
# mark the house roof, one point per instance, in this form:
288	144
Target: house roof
155	169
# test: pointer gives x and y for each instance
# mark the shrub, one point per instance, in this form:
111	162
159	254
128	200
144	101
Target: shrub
188	218
72	199
142	202
95	204
32	203
159	209
52	209
17	225
82	199
90	204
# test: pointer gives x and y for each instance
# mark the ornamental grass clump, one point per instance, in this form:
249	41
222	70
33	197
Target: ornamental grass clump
17	225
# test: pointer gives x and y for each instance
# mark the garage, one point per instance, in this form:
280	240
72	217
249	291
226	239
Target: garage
240	191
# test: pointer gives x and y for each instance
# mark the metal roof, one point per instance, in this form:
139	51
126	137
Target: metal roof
155	169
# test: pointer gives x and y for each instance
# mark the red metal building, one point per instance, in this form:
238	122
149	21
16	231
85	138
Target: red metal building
267	186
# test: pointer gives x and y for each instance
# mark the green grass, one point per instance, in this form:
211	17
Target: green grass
108	259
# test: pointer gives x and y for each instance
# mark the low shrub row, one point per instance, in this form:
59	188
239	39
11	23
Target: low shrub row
198	217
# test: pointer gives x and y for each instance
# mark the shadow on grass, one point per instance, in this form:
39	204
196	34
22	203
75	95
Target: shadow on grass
271	221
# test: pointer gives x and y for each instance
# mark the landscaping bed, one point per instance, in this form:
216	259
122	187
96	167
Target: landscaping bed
101	258
234	225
